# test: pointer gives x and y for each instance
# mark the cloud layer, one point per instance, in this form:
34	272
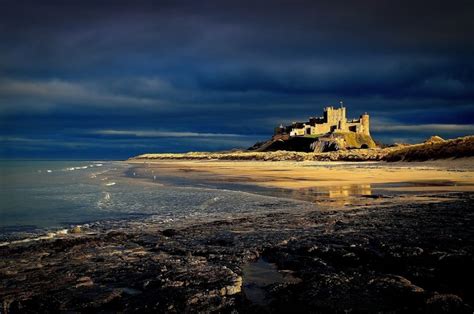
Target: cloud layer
213	75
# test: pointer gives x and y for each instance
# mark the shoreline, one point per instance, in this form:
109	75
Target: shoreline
414	177
307	174
204	265
394	251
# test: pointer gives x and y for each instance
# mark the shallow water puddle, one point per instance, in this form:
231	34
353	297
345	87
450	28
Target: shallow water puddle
261	274
131	291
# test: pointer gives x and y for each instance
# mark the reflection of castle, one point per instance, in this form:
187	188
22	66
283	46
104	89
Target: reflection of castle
334	196
334	120
349	190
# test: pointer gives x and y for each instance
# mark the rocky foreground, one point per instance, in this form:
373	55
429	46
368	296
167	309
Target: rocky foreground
391	257
434	148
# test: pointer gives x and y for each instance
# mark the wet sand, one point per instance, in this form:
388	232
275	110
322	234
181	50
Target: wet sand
452	175
367	242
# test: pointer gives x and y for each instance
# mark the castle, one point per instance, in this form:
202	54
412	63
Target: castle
333	121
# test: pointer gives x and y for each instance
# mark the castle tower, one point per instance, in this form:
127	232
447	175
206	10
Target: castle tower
364	119
328	115
343	119
336	118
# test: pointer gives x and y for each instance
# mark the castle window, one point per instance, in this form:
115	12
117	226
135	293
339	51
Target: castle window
308	131
353	128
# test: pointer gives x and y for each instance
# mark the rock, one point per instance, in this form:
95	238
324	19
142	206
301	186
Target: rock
84	282
235	288
374	196
76	229
169	233
135	270
446	303
338	225
395	284
325	145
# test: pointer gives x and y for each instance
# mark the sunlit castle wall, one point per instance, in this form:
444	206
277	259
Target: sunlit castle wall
336	118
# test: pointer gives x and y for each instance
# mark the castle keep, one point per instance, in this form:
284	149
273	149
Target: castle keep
333	121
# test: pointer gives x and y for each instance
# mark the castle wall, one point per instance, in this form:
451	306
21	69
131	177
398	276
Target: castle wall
334	120
354	127
297	132
365	124
334	116
361	125
320	128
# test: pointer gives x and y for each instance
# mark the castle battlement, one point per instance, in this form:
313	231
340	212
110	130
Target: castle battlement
333	120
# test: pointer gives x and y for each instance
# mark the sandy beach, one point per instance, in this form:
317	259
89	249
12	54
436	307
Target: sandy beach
452	175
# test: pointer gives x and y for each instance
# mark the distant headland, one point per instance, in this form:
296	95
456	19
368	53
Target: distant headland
333	137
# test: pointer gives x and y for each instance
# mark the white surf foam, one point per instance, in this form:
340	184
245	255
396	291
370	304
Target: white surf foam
47	236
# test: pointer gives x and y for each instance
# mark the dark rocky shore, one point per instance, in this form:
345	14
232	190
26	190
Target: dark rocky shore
398	257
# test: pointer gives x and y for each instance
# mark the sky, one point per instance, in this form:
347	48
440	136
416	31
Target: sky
112	79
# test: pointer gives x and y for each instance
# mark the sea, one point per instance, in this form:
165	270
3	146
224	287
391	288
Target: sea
42	196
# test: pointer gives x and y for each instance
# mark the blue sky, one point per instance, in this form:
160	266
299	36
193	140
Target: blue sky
111	79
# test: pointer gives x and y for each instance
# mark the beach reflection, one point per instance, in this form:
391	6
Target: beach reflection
334	196
349	190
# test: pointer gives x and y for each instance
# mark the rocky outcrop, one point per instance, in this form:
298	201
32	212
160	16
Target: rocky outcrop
325	143
285	142
340	141
377	259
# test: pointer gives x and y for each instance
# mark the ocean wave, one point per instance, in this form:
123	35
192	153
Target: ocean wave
47	236
105	201
73	168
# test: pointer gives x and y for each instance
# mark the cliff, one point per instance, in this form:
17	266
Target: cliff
286	143
342	140
324	143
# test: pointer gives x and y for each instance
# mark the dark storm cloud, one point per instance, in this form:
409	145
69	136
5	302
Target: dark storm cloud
234	67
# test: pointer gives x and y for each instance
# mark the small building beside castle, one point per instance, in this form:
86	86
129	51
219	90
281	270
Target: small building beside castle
333	121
